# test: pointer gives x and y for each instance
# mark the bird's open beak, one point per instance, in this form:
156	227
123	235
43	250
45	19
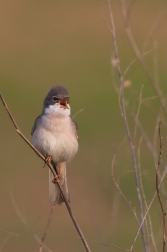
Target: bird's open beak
64	103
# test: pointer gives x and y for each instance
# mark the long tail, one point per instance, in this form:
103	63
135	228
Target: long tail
54	191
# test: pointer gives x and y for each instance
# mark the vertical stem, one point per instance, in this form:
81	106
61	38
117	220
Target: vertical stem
123	113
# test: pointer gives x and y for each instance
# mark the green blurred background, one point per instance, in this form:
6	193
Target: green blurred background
44	43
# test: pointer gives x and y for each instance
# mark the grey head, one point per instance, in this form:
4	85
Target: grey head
55	95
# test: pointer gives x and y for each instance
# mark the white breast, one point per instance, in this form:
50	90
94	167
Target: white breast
55	137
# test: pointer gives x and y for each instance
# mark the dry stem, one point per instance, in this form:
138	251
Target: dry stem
157	188
144	198
123	113
140	56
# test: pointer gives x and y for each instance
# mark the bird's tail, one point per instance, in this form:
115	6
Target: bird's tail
55	195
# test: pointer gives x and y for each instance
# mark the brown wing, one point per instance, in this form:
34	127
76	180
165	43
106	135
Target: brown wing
75	127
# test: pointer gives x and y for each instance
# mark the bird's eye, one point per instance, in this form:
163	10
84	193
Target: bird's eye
54	98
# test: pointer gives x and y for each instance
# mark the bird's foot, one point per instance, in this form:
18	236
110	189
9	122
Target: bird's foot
47	161
56	179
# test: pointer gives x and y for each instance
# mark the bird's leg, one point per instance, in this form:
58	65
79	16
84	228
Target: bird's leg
47	160
61	173
57	177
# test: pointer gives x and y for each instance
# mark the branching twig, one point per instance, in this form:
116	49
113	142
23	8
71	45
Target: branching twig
157	188
134	60
123	113
53	172
153	198
140	56
148	209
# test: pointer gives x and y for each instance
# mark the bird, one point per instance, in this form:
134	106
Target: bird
55	136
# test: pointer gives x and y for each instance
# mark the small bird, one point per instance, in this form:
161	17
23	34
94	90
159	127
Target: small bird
54	134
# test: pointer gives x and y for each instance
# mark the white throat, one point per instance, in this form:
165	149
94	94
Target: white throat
58	110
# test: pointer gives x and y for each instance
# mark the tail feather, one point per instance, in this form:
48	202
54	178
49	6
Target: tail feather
55	195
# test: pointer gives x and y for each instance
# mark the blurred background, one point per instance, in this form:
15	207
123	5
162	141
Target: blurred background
45	43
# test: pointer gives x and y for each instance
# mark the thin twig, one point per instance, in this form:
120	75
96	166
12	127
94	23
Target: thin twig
154	26
138	110
157	188
78	112
46	229
2	244
148	209
148	142
134	60
152	147
142	190
155	62
123	113
155	194
123	173
139	168
156	136
23	220
144	197
53	172
107	245
10	233
140	57
118	187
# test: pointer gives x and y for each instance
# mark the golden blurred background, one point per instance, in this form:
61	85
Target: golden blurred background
45	43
